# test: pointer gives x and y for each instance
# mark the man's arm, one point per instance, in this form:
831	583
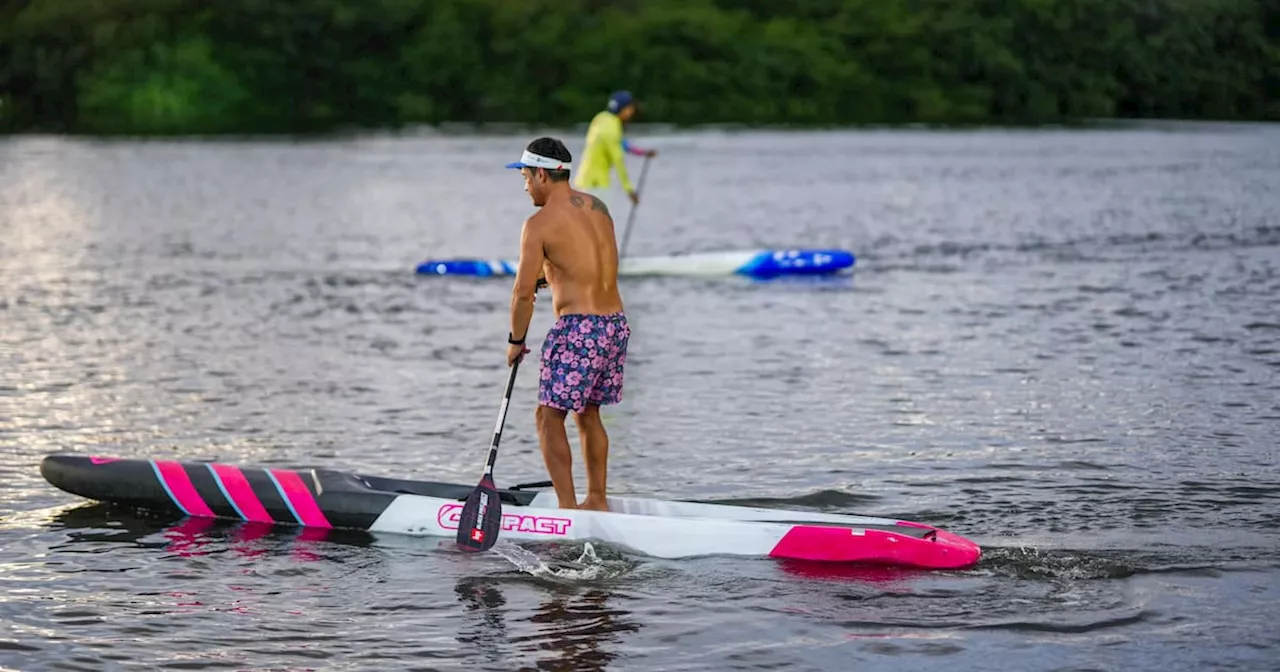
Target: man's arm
528	272
636	151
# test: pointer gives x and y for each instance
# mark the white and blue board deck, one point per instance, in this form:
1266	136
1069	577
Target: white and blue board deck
751	263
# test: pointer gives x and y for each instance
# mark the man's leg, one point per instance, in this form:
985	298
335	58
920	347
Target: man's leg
556	454
611	333
595	453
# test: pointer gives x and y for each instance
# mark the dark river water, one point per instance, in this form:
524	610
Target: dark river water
1064	345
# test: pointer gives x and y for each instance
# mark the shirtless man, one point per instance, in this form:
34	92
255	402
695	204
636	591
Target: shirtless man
570	242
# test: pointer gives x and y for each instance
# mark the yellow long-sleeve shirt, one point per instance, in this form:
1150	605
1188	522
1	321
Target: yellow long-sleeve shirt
604	150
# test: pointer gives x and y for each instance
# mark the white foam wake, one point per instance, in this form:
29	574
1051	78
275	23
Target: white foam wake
587	567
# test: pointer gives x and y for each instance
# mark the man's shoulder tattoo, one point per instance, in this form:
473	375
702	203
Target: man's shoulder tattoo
576	200
597	204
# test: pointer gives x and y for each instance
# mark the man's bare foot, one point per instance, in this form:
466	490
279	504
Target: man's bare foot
595	504
570	505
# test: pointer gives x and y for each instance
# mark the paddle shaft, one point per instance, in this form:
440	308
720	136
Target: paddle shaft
626	232
502	420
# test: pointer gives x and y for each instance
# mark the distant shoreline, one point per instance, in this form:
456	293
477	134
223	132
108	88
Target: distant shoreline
505	129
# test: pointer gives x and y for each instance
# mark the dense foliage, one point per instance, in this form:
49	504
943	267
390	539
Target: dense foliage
189	66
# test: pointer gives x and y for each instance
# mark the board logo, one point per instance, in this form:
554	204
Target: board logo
449	515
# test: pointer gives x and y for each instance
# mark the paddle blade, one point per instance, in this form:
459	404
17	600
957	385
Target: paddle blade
481	518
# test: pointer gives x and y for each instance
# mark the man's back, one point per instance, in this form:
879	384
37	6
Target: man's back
581	255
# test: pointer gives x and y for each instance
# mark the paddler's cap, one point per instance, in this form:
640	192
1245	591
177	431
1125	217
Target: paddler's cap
619	100
531	160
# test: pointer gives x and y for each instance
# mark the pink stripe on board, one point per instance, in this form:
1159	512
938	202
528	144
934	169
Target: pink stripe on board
99	459
180	487
241	493
304	503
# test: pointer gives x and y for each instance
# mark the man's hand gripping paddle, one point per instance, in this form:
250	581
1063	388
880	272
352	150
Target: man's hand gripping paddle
482	514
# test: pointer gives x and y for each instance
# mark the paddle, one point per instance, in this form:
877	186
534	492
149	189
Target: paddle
626	232
482	514
530	486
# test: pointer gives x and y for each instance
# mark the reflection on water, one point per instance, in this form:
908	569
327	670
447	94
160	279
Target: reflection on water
574	626
191	537
247	540
569	627
576	629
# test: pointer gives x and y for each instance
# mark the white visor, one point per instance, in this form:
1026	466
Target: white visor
531	160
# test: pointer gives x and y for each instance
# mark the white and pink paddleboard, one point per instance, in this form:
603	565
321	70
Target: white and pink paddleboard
320	498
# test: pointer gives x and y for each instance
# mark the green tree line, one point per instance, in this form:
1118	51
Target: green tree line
246	66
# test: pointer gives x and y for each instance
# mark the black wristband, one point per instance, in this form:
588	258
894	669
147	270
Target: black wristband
511	339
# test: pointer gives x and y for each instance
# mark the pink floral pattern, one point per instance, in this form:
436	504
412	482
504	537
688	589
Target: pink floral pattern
582	361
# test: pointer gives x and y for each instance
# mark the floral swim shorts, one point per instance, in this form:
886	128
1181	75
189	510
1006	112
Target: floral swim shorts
582	360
